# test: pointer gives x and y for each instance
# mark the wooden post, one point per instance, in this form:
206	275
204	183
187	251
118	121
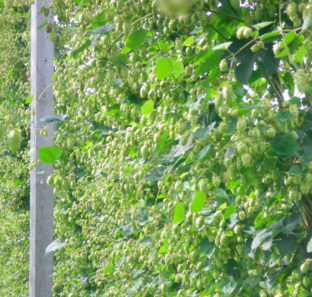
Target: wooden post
41	195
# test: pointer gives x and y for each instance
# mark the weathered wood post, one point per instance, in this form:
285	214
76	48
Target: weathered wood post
41	195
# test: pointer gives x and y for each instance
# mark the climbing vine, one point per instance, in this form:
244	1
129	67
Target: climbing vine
182	150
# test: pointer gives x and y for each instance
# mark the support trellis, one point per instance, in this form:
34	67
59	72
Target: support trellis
41	195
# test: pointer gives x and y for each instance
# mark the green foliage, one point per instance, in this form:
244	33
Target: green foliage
182	168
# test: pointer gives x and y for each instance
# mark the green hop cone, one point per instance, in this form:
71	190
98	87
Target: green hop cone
15	139
70	142
216	181
301	80
240	33
241	125
306	281
223	65
144	151
46	12
8	3
304	267
182	126
291	9
50	180
53	36
242	215
48	28
247	32
246	159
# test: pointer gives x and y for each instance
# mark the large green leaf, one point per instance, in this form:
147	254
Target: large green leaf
203	132
156	174
284	144
147	107
53	119
167	67
49	154
246	58
112	110
164	67
266	233
143	216
53	246
136	39
101	29
307	21
179	150
228	286
146	241
286	244
164	248
198	202
203	152
179	213
229	211
75	53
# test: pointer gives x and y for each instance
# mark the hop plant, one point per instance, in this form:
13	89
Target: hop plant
53	36
241	125
70	142
144	151
216	181
291	9
247	32
301	80
174	7
223	65
246	159
182	126
15	139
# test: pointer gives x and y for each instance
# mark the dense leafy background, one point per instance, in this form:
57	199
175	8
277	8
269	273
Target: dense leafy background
182	148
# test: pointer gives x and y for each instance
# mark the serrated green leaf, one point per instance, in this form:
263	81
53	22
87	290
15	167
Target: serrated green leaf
296	169
112	110
164	67
261	25
101	30
147	107
222	46
178	68
136	39
284	144
189	41
179	213
29	99
307	21
230	210
300	54
109	269
49	154
53	119
245	58
146	241
53	246
203	152
75	53
164	248
204	246
198	202
156	174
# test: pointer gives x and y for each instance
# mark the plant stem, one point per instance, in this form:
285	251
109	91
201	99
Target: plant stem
227	15
218	32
